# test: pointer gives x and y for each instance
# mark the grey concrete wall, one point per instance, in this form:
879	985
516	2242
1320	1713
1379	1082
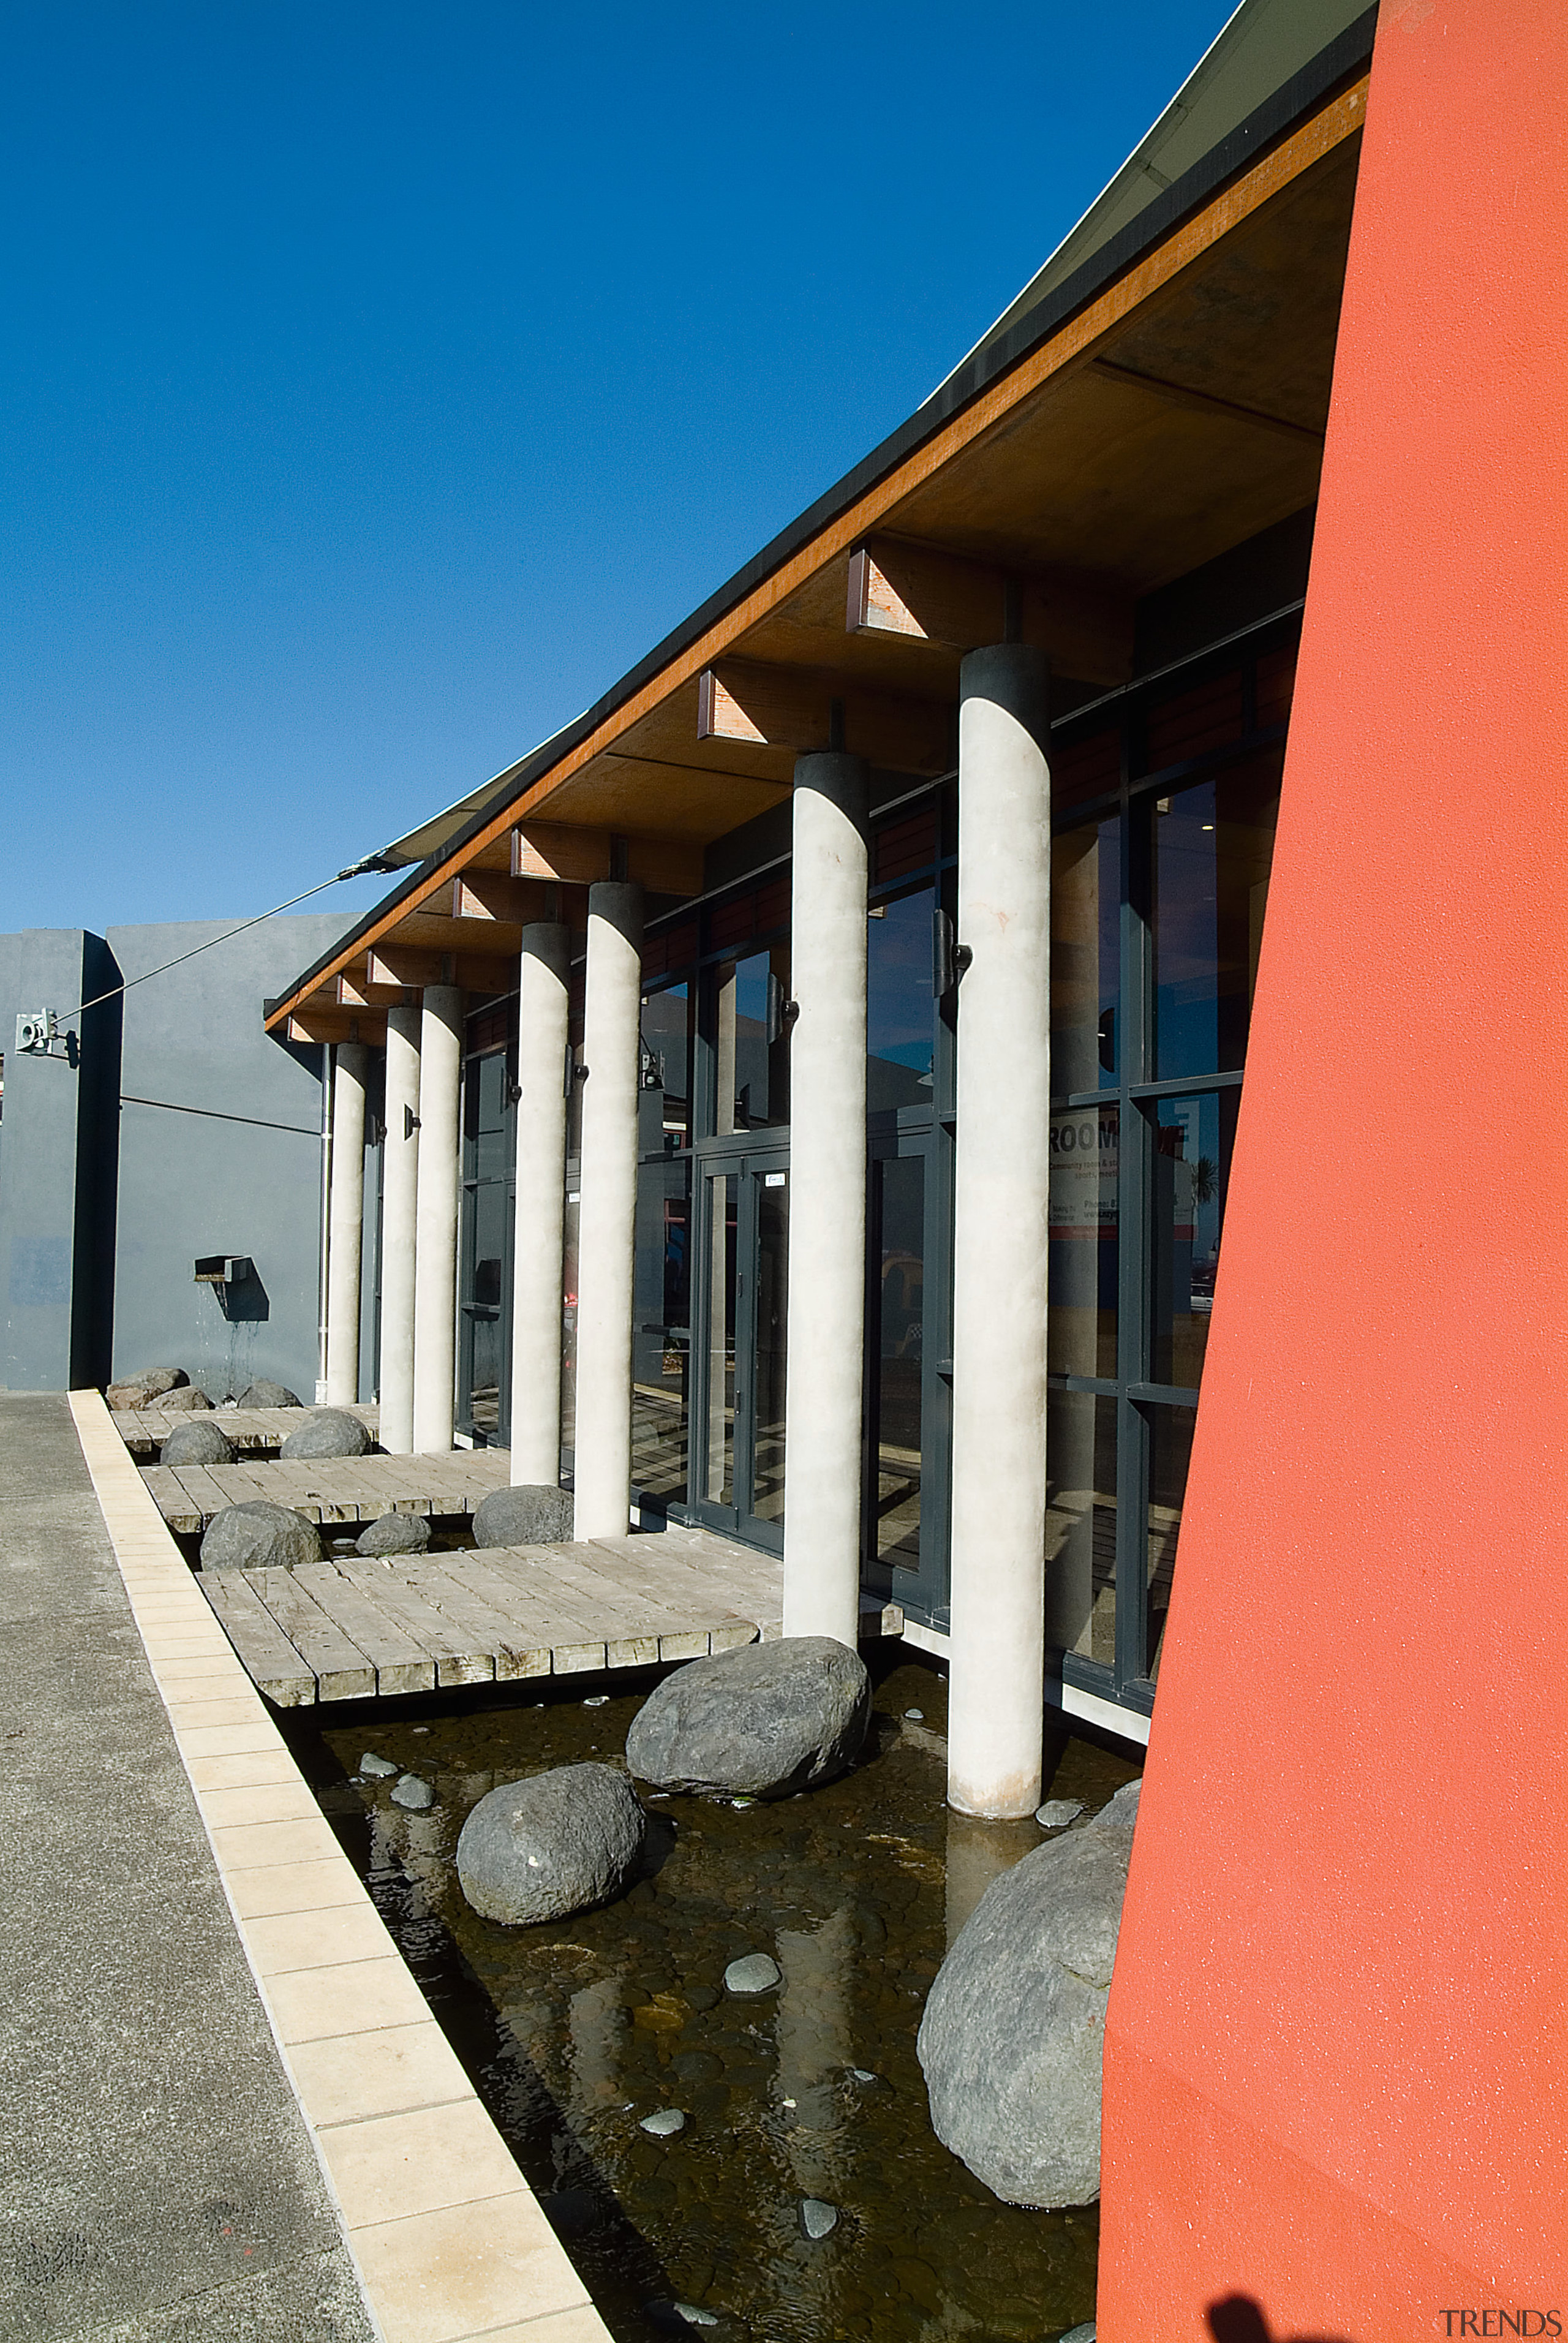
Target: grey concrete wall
240	1176
57	1163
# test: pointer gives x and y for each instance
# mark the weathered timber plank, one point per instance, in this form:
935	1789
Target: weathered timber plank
265	1652
581	1624
511	1650
170	1499
342	1670
456	1662
401	1664
529	1624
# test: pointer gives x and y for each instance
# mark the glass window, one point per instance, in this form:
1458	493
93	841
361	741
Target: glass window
769	1339
664	1121
661	1330
1085	957
901	1356
722	1196
901	1013
569	1323
751	1075
1193	1140
1212	848
1170	1451
1080	1526
1085	1165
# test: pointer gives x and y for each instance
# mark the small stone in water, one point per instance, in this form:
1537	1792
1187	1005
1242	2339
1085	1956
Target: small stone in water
409	1791
665	2124
596	1699
1080	2334
739	1802
1056	1812
863	2075
817	2218
755	1973
916	1715
694	2316
380	1769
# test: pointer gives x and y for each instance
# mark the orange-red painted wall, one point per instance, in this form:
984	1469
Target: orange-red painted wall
1336	2073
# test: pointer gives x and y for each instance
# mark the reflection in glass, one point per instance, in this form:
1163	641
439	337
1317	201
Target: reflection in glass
482	1321
660	1330
1191	1175
1085	1160
902	1187
1170	1450
751	1075
721	1201
767	1376
1085	957
1080	1525
901	1015
569	1321
664	1117
1212	848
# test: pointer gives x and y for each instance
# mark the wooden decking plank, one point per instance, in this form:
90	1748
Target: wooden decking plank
512	1653
401	1664
342	1669
170	1499
265	1652
457	1661
580	1619
531	1622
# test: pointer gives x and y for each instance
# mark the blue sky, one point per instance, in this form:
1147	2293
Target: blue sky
379	383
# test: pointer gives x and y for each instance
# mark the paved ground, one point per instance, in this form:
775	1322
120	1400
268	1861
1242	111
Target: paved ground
156	2180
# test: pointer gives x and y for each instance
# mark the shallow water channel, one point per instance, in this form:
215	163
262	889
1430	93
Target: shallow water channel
574	2031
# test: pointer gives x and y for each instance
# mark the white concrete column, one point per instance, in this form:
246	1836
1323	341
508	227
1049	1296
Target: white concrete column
827	1310
997	1667
607	1222
536	1243
344	1241
435	1243
400	1211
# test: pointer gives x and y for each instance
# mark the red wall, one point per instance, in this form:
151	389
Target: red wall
1336	2071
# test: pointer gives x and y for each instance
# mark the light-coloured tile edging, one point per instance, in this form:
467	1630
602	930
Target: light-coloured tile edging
448	2239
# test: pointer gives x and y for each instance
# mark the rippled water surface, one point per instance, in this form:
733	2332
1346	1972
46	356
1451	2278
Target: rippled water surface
576	2030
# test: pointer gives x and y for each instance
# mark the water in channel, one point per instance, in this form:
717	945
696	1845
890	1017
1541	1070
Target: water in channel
574	2031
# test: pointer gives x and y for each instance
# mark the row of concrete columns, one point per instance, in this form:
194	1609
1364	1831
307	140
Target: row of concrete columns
997	1691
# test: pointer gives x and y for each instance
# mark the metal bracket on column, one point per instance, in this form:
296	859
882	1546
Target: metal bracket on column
410	1122
948	958
782	1011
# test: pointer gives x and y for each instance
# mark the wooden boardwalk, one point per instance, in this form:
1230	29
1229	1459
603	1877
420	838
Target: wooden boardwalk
330	1488
358	1630
145	1430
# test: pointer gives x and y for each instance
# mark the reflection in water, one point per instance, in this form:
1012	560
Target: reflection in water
575	2030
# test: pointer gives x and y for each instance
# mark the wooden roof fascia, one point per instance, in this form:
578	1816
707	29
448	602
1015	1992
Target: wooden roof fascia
1197	231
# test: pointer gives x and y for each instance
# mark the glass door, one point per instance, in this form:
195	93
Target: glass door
740	1355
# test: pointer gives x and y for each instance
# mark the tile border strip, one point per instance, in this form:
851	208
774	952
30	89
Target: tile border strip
448	2239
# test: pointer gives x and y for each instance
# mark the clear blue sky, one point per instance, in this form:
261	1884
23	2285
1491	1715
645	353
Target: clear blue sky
380	383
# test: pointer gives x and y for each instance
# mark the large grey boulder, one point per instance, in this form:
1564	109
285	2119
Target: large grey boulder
196	1441
330	1432
532	1514
189	1400
761	1721
558	1843
259	1536
394	1533
142	1389
266	1394
1014	2027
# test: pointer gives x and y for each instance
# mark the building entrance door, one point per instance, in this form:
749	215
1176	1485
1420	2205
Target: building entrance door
740	1356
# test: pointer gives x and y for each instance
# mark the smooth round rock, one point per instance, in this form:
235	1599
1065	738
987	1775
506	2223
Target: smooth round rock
142	1389
665	2124
330	1432
530	1515
818	2217
380	1769
753	1973
189	1400
409	1791
195	1442
763	1720
394	1533
266	1394
1056	1812
558	1843
259	1536
1014	2027
916	1715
